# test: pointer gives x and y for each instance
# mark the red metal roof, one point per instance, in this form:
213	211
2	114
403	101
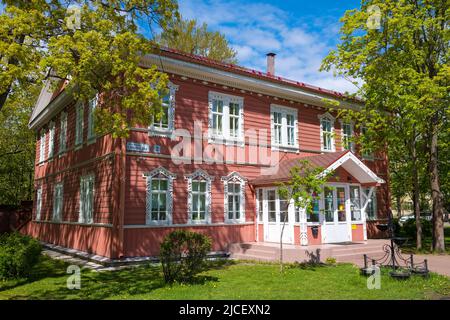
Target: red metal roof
179	55
284	171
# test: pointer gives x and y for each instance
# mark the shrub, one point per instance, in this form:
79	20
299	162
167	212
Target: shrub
18	255
183	255
409	230
330	260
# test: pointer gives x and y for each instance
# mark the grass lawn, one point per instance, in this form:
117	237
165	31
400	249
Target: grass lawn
410	246
226	280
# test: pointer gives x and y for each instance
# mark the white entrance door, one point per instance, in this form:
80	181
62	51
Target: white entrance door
276	212
336	226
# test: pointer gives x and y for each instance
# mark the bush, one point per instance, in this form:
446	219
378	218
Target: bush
330	260
183	255
409	230
18	255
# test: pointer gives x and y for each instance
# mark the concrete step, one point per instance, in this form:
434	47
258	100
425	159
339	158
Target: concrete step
371	254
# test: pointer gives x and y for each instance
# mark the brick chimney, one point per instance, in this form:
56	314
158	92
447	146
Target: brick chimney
271	63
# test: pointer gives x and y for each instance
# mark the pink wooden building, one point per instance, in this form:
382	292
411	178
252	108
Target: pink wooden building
210	165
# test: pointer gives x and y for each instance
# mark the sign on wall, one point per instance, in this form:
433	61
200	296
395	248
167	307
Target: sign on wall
137	147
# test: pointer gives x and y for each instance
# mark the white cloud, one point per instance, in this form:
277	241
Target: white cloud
258	28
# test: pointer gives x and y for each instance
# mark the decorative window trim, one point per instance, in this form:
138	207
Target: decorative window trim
91	136
332	119
63	133
38	203
87	217
42	141
169	197
199	173
225	137
161	132
57	214
51	140
234	177
284	146
79	118
352	129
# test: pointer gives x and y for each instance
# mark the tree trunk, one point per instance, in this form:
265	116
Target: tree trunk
436	195
416	194
399	206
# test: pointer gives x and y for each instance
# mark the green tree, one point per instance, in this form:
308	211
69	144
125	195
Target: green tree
188	36
17	147
93	46
305	180
399	49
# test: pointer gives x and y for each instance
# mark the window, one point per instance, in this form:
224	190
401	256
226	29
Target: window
371	208
199	197
159	196
217	114
347	136
42	146
284	128
91	118
164	124
355	203
329	204
226	118
260	205
313	211
51	139
271	201
327	132
284	204
58	202
79	124
86	199
38	203
234	186
367	152
63	133
340	200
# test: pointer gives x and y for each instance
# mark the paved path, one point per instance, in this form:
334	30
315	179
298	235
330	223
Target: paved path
352	253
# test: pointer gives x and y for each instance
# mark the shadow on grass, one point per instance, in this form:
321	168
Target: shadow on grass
45	268
100	285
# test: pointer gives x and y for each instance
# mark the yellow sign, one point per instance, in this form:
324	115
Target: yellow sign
353	226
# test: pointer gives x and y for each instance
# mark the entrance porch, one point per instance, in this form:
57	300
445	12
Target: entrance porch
337	215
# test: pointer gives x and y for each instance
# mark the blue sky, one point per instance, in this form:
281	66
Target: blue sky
300	32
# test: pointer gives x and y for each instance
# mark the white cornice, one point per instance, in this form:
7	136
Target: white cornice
242	82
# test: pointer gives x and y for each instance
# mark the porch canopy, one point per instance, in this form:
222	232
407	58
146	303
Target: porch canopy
329	161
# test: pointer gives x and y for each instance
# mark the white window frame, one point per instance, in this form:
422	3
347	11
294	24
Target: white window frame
167	132
63	133
38	203
58	201
235	178
283	145
365	192
79	123
51	140
329	117
344	135
42	146
91	119
86	215
225	136
206	177
169	177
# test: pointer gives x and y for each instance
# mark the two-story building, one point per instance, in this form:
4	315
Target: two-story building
211	164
